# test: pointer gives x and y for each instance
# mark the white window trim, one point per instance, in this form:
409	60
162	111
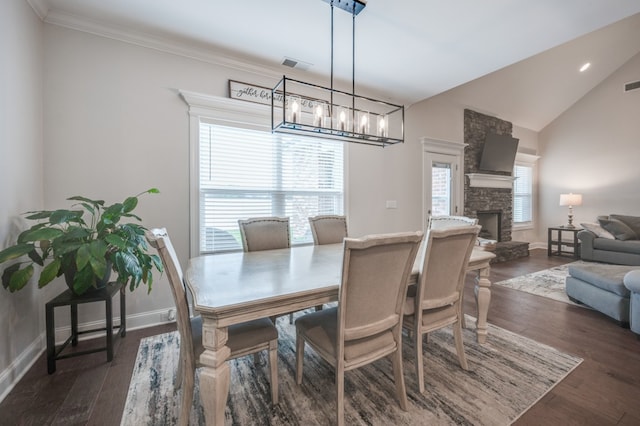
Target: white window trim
227	112
529	160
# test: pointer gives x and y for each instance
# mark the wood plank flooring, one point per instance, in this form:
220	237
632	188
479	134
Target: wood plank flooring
603	390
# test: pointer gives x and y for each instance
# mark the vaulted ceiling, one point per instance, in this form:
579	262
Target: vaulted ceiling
527	53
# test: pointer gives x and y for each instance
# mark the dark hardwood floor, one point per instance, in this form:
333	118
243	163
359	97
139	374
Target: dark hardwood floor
603	390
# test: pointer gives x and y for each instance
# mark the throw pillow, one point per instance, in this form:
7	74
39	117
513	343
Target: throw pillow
598	230
619	230
632	222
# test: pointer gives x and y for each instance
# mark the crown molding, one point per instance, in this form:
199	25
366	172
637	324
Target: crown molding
173	46
41	7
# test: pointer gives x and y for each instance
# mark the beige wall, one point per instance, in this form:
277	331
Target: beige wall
594	149
21	71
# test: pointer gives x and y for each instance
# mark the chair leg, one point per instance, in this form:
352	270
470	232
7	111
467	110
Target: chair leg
187	400
457	334
398	377
179	373
318	308
340	393
291	318
419	362
273	370
299	357
256	358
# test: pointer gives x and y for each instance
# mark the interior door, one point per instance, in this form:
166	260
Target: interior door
441	176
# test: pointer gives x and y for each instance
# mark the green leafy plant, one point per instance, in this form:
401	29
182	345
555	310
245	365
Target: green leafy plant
84	244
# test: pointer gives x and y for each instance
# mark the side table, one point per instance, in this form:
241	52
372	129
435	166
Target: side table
68	298
560	245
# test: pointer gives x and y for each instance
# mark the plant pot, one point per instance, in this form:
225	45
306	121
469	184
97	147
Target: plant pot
70	273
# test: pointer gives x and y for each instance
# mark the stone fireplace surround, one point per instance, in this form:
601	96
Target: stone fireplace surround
489	199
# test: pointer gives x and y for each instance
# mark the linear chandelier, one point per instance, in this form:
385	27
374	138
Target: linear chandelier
309	109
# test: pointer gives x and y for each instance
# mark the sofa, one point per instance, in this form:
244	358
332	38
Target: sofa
613	239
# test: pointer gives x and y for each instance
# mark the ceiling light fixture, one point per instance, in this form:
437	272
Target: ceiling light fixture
309	109
585	67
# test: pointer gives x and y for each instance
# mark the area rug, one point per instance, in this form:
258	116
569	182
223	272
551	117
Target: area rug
547	283
507	375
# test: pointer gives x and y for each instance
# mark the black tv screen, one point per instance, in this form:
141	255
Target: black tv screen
499	153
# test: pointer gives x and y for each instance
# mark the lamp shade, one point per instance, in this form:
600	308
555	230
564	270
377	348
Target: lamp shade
570	199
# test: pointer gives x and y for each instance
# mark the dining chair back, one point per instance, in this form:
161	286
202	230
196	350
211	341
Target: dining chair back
264	233
436	301
443	222
367	323
328	229
243	339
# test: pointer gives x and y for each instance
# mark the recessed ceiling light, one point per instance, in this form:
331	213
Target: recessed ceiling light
585	67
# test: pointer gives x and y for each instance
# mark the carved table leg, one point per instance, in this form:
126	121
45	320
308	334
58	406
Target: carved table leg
215	375
483	297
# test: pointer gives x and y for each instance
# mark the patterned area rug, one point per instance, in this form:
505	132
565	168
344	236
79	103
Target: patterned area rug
506	376
546	283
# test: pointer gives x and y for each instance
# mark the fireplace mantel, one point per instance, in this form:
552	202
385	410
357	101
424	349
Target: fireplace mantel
482	180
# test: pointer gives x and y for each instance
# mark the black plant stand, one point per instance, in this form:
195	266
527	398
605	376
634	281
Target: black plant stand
68	298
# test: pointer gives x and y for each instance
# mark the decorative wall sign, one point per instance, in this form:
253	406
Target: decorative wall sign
251	93
262	95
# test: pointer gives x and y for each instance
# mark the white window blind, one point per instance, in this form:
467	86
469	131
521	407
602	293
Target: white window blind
522	194
248	173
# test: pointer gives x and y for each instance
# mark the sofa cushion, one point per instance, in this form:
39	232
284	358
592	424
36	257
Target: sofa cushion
632	222
618	229
629	246
598	230
606	277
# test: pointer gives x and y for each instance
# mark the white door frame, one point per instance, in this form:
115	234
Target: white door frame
450	152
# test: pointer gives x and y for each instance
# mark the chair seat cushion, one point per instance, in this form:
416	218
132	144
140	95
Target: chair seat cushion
241	336
320	328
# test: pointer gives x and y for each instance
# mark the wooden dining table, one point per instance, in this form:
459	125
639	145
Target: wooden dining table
230	288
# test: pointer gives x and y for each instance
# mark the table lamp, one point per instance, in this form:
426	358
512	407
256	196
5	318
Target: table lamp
570	200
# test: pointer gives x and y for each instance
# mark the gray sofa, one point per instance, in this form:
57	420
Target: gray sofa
615	239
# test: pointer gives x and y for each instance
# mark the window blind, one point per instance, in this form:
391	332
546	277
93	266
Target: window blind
248	173
522	194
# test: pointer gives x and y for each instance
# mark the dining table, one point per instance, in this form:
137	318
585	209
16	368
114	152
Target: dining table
234	287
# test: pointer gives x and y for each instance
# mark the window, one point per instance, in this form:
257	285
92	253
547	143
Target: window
251	173
523	195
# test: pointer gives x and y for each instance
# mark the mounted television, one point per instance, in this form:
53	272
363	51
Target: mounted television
499	153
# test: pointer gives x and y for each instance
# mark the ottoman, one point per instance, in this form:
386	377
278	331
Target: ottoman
601	287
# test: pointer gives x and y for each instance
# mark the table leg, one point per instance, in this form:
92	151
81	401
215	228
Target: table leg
483	297
215	375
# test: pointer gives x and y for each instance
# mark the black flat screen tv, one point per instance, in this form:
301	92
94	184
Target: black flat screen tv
499	153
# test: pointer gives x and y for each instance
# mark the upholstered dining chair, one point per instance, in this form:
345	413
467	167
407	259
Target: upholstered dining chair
264	233
445	222
436	301
367	323
328	229
246	338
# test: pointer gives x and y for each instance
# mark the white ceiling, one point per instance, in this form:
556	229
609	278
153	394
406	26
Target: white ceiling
406	50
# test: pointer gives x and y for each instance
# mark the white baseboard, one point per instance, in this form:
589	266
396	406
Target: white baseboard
537	246
135	321
19	367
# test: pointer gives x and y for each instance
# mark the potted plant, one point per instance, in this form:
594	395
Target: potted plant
85	245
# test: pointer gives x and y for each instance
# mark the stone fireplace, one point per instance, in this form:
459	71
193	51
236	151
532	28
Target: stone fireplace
491	204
